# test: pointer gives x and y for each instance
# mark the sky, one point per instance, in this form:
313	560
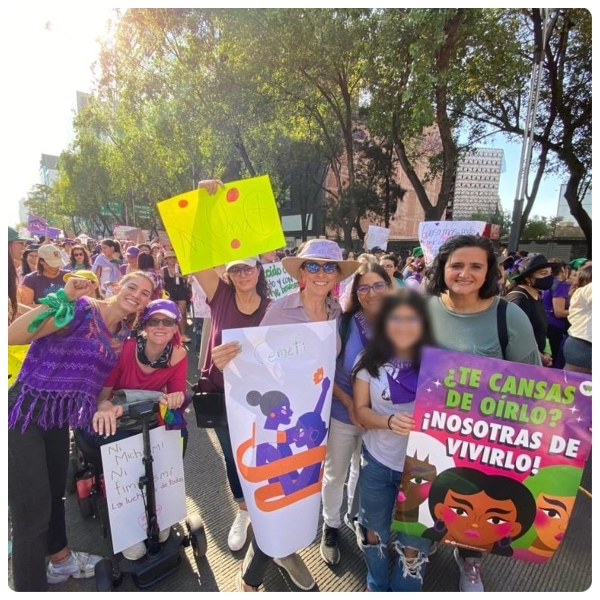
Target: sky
47	56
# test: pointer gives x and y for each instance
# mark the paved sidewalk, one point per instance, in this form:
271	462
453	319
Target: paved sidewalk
208	493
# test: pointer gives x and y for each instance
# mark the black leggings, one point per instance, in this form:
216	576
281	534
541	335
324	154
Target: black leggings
255	565
37	476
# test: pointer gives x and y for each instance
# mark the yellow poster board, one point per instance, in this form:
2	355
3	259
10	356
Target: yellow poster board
16	356
239	221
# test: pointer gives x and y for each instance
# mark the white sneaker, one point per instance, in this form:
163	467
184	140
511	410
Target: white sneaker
80	565
239	531
135	552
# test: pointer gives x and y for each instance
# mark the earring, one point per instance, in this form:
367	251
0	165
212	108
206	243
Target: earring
439	526
505	542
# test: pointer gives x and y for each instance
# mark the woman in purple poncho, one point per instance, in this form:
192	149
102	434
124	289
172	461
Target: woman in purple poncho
75	342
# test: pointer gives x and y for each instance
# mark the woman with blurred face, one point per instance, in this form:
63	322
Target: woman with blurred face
83	338
369	287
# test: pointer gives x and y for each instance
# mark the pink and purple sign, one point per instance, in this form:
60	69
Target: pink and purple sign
496	457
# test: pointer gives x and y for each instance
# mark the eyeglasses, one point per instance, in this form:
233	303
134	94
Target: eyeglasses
167	322
378	288
313	267
237	271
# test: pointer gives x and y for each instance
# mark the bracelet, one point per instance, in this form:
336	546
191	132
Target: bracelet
389	422
60	308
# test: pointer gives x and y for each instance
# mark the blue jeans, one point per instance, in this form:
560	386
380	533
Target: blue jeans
232	474
378	487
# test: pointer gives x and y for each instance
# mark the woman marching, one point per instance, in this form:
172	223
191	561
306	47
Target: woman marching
468	316
318	267
385	383
75	342
369	287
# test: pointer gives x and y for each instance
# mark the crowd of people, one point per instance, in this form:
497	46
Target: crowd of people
105	316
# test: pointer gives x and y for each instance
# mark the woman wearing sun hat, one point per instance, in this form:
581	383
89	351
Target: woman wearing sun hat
318	267
534	275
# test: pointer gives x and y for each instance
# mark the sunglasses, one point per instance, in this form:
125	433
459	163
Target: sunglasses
313	268
378	288
237	271
155	322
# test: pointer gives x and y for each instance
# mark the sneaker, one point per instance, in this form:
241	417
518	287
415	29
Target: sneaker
470	573
413	570
135	552
238	534
239	584
329	549
298	572
350	522
80	565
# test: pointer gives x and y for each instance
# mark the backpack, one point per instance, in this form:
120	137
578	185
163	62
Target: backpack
502	325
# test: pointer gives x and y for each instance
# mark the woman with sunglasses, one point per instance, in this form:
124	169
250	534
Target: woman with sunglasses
80	259
318	267
156	361
239	299
75	342
370	285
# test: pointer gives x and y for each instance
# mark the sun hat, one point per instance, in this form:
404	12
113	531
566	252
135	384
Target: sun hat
170	254
577	263
251	261
132	252
164	307
530	265
321	251
51	255
13	236
82	274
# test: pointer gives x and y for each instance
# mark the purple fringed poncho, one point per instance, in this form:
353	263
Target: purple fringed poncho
64	372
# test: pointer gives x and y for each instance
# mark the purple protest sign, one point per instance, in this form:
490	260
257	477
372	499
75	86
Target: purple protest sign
496	456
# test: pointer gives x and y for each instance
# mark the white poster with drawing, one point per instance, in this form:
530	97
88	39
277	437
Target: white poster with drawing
377	237
278	397
280	283
123	467
432	234
199	303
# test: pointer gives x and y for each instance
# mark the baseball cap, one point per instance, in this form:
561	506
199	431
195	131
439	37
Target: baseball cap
51	255
249	262
132	252
170	254
417	252
82	274
13	236
162	306
577	263
376	249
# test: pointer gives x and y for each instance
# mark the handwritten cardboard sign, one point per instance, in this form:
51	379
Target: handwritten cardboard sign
123	467
280	282
377	237
432	234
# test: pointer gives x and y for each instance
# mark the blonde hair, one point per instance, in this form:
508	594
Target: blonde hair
134	275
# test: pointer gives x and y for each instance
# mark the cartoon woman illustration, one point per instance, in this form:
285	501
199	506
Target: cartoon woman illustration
417	477
554	490
479	511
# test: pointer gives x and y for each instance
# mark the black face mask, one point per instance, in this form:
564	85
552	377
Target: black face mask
543	283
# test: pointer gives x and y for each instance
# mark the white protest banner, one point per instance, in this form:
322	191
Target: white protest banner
123	467
280	283
201	308
377	236
278	397
432	234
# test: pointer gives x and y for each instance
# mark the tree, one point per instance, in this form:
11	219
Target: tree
540	227
563	129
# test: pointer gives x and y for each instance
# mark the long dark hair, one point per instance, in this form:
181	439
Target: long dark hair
12	283
353	305
392	258
467	481
437	284
583	277
25	268
145	261
86	256
262	287
380	349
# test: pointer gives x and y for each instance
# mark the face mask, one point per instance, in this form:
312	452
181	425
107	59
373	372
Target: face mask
543	283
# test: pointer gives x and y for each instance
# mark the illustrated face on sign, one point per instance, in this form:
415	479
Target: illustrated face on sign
478	519
416	482
551	518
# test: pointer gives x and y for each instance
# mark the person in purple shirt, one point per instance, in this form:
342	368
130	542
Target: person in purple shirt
369	286
556	305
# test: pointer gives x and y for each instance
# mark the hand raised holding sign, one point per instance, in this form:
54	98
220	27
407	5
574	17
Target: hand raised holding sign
210	185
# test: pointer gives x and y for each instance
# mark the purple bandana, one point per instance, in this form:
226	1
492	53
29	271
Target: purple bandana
402	380
363	326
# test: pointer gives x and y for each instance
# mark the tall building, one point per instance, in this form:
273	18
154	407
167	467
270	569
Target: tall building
48	170
566	225
477	183
23	211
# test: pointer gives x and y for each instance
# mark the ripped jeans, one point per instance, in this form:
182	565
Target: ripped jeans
378	487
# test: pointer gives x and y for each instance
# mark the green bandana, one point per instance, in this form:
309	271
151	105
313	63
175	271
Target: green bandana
60	308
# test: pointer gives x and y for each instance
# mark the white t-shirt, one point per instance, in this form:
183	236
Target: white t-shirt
384	445
580	314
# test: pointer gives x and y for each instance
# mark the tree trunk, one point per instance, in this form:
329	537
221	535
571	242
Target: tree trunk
241	148
579	214
347	229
